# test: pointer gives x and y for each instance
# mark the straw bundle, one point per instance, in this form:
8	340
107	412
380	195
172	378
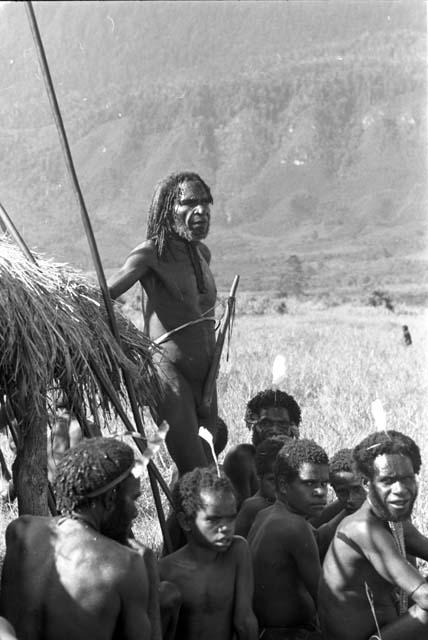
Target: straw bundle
55	337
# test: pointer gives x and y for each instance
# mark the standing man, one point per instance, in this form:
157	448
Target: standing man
172	266
366	580
79	575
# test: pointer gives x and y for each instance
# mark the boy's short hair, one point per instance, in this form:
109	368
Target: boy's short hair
270	398
186	494
342	460
266	453
381	442
293	455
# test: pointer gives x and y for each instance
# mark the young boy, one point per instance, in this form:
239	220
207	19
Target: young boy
213	570
269	413
264	459
283	546
349	490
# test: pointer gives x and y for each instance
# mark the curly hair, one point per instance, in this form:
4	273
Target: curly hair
381	442
266	453
293	455
87	468
342	461
160	219
270	398
186	494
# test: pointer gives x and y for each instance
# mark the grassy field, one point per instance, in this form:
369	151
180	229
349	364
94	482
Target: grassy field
338	361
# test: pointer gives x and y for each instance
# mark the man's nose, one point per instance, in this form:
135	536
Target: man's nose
400	488
320	490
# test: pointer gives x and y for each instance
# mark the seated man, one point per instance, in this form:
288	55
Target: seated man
75	576
283	546
213	570
366	579
264	460
347	485
269	413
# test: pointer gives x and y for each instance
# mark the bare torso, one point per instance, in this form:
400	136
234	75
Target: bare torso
208	592
64	579
344	608
281	599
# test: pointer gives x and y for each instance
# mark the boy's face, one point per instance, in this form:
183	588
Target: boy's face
349	490
214	524
267	485
307	494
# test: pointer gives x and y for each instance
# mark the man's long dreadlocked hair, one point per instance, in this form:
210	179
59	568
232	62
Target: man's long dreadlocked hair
160	220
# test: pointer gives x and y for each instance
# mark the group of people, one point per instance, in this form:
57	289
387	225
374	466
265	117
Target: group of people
280	564
262	554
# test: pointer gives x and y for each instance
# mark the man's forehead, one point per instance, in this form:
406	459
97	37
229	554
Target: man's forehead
189	189
313	471
345	479
274	413
388	464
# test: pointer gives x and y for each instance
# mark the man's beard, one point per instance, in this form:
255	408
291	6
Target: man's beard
183	231
118	527
386	513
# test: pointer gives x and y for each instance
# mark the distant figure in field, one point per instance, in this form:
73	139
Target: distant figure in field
264	460
81	575
269	413
406	335
349	490
172	266
283	545
366	580
213	571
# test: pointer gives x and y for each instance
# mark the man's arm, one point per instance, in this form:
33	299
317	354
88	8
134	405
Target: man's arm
379	548
304	550
135	268
135	601
244	620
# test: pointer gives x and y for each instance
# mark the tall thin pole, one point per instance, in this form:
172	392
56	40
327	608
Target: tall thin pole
87	224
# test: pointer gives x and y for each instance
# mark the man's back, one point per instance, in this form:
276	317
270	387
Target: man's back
62	578
281	598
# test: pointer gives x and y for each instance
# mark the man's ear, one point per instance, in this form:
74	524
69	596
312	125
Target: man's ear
365	482
183	521
109	499
281	486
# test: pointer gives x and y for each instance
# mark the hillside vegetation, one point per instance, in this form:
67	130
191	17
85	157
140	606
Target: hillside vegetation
309	122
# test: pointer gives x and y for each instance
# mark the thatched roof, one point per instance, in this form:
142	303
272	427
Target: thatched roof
55	337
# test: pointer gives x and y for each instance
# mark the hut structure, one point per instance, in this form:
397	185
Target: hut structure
55	339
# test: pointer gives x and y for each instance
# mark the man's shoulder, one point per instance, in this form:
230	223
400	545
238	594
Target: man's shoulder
242	451
27	525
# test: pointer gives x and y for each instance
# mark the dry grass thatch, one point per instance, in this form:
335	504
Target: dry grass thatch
55	336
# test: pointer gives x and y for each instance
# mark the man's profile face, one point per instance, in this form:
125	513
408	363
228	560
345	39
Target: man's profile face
214	524
307	494
118	523
273	421
393	488
349	490
192	211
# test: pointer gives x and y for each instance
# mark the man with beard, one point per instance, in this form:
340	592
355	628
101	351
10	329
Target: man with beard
366	580
172	266
268	414
76	576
